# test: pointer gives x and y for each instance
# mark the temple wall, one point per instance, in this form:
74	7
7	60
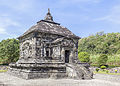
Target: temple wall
48	47
27	46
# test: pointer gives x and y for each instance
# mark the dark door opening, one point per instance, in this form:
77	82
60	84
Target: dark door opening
47	53
67	53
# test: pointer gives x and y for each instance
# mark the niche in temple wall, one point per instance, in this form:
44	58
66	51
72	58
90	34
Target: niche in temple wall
56	51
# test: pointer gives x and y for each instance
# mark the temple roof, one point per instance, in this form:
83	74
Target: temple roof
49	26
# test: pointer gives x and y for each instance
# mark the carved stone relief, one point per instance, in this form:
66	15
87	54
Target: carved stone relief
56	51
26	49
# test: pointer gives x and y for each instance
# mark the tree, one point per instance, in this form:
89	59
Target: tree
102	59
84	57
100	43
9	50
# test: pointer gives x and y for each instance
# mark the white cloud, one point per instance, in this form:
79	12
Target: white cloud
5	22
113	16
18	5
3	30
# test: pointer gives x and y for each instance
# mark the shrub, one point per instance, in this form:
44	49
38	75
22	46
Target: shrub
115	71
102	59
103	67
84	57
107	71
97	69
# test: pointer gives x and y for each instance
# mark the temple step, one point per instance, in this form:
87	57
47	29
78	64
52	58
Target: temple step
78	72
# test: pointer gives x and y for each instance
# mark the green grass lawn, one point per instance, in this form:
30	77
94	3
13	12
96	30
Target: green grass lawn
3	71
104	72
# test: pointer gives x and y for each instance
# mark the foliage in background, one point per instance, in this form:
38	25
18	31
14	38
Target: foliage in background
9	51
102	59
113	60
84	57
102	43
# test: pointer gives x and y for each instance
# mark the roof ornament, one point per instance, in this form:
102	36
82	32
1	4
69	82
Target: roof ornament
48	10
48	17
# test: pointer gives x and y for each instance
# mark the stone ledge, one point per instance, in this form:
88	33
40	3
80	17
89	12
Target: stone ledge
36	65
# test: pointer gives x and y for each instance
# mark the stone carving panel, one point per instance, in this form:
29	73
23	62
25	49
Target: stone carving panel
67	43
26	49
56	52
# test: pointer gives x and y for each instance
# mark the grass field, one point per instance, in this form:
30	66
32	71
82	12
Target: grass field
3	70
104	72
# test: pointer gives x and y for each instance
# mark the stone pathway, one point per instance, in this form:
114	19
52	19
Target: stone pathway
105	77
99	80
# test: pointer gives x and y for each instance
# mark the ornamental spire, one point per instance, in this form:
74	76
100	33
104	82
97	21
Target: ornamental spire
48	16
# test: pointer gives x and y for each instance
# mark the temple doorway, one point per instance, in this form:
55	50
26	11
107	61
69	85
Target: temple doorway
67	53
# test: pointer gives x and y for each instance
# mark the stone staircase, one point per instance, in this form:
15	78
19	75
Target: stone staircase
78	72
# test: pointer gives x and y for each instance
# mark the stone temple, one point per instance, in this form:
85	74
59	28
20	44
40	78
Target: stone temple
49	50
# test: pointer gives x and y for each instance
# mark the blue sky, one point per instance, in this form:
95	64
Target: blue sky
82	17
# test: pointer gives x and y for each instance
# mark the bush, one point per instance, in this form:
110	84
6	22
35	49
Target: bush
102	59
107	71
97	69
103	67
84	57
115	71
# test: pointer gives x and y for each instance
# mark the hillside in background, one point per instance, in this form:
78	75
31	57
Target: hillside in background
102	43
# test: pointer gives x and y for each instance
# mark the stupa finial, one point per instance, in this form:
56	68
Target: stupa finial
48	17
48	10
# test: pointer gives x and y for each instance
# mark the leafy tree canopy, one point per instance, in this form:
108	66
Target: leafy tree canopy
9	50
102	59
84	57
100	43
